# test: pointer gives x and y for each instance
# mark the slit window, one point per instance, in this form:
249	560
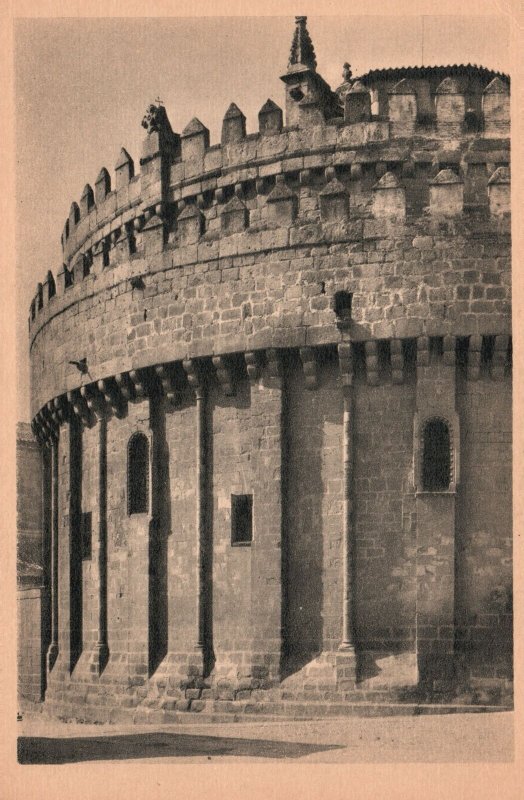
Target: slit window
241	519
436	462
51	286
105	253
343	302
87	264
69	277
138	474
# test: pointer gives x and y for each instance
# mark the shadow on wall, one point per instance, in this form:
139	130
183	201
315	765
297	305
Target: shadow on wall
306	415
160	529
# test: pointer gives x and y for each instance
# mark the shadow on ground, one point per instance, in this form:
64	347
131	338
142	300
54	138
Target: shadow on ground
58	750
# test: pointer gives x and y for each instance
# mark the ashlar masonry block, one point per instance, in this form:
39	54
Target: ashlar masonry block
499	192
389	197
234	217
124	169
281	204
402	101
334	202
190	225
270	119
446	194
102	185
194	140
233	125
357	103
496	108
451	107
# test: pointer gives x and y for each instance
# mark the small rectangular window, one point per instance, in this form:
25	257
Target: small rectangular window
241	519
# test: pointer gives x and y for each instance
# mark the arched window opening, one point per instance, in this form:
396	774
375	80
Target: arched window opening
138	474
436	462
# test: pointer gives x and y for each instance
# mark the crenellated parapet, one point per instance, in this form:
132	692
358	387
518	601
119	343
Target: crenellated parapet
345	192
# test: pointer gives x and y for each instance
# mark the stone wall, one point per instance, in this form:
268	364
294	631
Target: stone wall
281	316
32	568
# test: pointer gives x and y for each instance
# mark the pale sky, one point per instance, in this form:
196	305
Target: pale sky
82	86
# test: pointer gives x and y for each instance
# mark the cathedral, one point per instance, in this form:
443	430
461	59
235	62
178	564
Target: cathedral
269	465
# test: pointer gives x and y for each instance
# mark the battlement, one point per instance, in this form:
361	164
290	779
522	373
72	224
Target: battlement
394	150
411	122
187	170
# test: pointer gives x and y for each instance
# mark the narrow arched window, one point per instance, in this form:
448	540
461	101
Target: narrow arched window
138	474
436	460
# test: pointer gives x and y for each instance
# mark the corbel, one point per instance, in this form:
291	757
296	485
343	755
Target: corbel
371	350
94	399
252	365
449	351
345	363
79	406
61	408
304	177
45	426
125	385
171	390
139	379
500	354
423	351
274	363
194	374
397	361
224	374
37	433
309	365
112	396
474	355
274	367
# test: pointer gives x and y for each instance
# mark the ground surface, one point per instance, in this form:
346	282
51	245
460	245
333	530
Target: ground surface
443	738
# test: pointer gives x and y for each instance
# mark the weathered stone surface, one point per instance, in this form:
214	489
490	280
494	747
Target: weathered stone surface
203	306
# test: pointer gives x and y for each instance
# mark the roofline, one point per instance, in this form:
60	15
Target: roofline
397	73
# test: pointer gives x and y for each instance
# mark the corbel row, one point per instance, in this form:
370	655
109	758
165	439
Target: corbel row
110	396
500	357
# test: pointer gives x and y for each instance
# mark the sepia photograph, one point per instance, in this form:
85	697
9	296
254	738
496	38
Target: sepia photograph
264	390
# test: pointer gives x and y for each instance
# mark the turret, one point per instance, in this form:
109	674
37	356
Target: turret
309	99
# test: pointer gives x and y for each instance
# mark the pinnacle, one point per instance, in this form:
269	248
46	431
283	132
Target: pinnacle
302	50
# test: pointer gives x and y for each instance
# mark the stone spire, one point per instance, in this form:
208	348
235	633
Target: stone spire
302	51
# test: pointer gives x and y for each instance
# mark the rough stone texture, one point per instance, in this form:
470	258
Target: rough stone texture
32	595
205	299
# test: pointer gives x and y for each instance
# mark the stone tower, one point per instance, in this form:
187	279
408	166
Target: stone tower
271	382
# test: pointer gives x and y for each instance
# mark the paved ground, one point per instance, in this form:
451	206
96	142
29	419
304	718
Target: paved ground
444	738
